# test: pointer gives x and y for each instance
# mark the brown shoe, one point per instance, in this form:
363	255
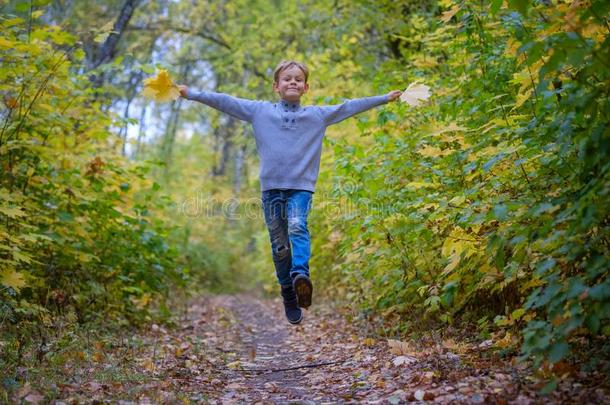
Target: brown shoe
303	288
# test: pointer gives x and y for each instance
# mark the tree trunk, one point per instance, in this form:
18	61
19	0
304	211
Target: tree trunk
172	125
124	129
239	165
142	121
223	136
134	79
170	136
141	131
105	52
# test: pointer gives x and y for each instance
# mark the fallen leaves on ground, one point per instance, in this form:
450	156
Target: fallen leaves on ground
231	350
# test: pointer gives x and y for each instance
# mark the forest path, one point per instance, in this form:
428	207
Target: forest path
240	349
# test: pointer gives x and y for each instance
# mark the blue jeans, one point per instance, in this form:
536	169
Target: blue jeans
286	218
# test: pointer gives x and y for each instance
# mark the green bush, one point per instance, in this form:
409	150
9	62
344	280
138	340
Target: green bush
80	234
492	200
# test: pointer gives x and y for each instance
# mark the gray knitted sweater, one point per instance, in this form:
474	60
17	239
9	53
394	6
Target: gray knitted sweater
288	135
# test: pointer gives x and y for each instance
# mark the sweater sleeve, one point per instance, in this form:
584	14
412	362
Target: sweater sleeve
237	107
333	114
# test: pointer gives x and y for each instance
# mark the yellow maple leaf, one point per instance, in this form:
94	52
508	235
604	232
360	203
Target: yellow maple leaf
522	98
452	127
398	347
160	88
5	43
235	365
10	278
454	260
419	184
12	212
432	151
98	357
369	342
424	62
142	301
447	15
149	365
415	94
512	46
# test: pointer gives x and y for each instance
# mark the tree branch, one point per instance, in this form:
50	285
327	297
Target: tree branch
183	30
107	50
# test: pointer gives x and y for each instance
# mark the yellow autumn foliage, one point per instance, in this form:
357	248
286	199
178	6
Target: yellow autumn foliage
13	279
160	88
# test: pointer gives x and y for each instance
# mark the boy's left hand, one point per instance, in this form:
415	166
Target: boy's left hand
394	94
183	89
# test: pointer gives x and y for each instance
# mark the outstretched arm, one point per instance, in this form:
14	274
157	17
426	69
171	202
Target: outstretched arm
237	107
336	113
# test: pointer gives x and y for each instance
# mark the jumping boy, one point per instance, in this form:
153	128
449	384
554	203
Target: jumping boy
289	142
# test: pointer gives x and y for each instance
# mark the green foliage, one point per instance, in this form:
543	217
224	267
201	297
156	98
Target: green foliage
489	203
79	233
493	199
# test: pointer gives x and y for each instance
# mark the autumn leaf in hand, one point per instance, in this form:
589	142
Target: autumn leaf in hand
160	88
415	94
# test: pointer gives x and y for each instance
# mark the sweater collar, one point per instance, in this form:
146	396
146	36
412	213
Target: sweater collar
290	105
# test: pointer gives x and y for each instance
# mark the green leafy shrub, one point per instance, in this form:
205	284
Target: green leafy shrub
80	234
492	200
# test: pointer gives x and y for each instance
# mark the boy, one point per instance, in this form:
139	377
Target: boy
289	143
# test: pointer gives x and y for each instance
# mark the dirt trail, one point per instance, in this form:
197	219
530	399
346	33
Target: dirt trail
240	349
339	365
278	362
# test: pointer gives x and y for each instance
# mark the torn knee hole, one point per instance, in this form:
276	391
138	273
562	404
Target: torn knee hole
282	251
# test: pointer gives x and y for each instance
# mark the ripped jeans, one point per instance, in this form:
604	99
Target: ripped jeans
286	214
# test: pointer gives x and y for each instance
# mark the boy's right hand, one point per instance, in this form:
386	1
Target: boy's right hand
394	95
183	90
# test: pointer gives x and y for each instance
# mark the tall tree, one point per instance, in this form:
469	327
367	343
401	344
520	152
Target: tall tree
98	54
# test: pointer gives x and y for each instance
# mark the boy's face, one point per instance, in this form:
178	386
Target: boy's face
291	84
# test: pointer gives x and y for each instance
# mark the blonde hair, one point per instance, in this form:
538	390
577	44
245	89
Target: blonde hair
285	64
